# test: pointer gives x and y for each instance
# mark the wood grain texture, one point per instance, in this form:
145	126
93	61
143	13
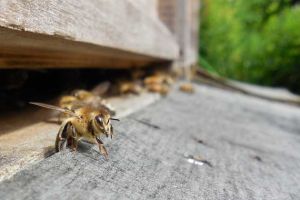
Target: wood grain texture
92	33
252	144
182	19
31	50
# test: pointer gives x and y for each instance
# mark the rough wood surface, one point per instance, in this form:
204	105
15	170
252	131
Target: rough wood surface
253	146
87	33
272	94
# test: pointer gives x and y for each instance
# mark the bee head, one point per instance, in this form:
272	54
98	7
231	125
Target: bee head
103	123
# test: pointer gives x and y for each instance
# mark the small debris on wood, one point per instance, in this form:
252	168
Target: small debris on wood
198	160
145	122
258	158
187	88
200	141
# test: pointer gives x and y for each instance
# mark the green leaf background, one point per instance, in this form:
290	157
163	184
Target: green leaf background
256	41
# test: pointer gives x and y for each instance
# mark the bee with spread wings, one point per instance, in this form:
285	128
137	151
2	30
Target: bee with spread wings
82	123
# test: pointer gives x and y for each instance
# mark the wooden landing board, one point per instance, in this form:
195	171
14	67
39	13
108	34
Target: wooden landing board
89	33
252	145
28	136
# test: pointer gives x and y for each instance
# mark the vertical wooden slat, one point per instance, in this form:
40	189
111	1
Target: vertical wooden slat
181	17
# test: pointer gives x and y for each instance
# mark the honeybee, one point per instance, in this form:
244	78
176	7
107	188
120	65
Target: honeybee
187	87
159	78
158	88
126	87
154	79
84	123
159	83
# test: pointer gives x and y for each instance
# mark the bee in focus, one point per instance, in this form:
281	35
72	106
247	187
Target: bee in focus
84	123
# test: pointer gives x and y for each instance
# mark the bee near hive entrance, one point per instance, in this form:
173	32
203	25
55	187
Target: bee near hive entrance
86	122
80	100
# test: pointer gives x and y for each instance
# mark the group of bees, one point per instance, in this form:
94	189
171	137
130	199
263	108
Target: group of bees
85	115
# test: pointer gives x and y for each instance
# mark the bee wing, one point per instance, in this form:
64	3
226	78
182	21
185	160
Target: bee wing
63	110
101	88
78	104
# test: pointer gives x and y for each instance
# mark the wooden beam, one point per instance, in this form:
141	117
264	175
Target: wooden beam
92	33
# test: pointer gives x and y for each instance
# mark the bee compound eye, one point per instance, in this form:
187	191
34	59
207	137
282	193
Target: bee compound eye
99	120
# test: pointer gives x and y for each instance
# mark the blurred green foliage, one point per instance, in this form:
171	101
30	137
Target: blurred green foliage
257	41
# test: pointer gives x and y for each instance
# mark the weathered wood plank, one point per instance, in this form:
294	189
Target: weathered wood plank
182	19
92	33
269	93
252	144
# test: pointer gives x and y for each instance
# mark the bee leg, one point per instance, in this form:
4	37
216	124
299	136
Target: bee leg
111	131
62	137
102	149
74	144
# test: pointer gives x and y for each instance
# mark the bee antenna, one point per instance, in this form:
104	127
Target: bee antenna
114	119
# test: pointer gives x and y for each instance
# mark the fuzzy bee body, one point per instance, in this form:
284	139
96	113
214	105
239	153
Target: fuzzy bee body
83	123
